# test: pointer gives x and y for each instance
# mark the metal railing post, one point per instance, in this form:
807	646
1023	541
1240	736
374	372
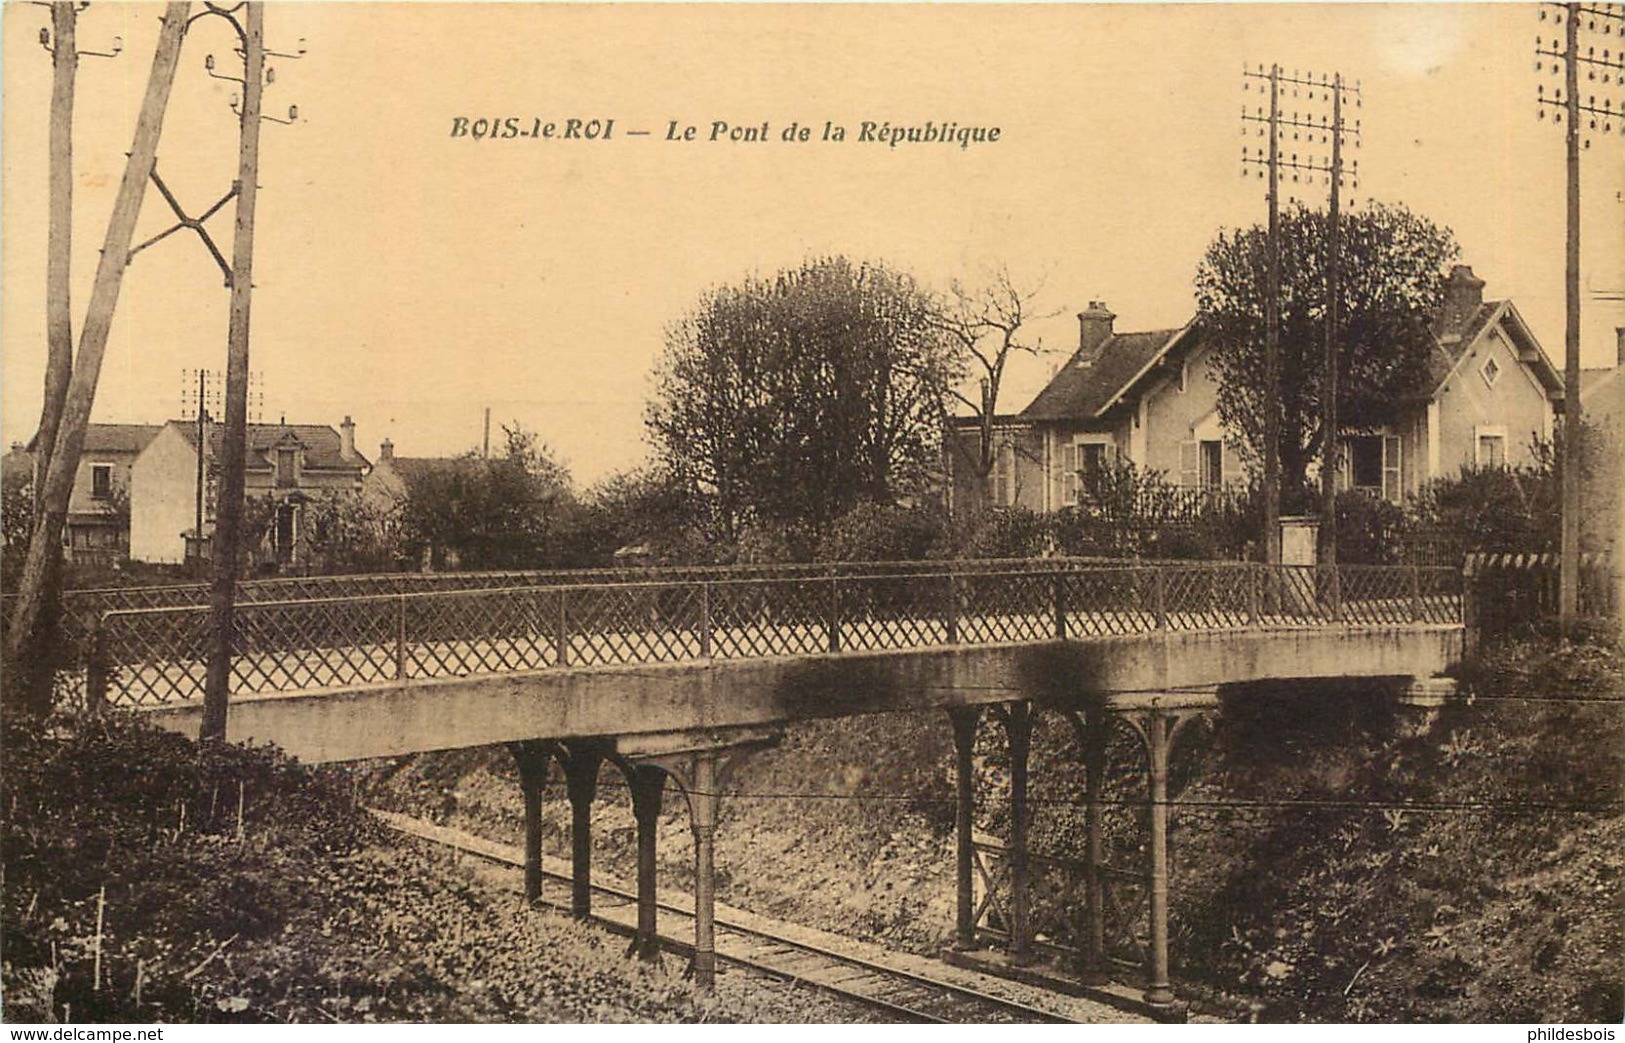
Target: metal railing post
1334	592
705	620
400	638
561	632
1469	605
1416	594
96	666
834	624
1159	598
1058	601
951	619
1254	581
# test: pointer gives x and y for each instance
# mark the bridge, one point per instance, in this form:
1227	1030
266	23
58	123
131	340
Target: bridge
680	674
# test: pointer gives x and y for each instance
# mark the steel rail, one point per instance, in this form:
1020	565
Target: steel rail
834	959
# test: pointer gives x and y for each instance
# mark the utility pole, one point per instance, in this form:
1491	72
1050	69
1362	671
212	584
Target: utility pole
28	643
1609	67
239	278
1272	335
234	440
1310	127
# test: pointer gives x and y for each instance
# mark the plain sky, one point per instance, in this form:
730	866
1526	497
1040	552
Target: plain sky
410	279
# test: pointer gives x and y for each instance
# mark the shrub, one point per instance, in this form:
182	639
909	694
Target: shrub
1368	530
879	532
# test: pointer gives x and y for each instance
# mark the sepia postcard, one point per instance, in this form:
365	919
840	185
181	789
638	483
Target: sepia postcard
976	513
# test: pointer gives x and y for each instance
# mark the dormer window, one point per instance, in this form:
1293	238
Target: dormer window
287	464
1490	371
101	481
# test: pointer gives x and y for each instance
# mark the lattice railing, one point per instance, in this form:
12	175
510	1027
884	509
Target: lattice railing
155	655
1058	904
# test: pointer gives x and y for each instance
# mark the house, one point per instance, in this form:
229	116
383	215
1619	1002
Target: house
1602	393
98	523
1151	398
288	467
386	486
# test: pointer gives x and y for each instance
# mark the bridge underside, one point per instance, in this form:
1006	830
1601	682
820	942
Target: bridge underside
648	700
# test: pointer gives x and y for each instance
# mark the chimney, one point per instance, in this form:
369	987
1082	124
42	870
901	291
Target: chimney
386	450
18	447
1463	294
1094	329
347	438
1619	346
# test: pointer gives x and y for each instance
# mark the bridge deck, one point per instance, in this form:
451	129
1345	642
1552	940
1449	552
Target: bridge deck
337	678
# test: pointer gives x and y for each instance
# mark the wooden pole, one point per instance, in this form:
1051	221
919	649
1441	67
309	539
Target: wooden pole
29	641
234	441
1328	390
1272	339
1569	578
59	242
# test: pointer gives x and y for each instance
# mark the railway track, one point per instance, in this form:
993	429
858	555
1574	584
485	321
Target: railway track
904	995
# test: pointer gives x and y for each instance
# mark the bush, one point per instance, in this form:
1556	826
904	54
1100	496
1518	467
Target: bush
1014	533
1368	530
878	532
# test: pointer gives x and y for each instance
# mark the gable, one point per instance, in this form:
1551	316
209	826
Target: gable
1092	382
1459	353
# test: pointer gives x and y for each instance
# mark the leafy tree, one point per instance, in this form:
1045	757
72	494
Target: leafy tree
505	512
16	520
793	398
646	508
1391	271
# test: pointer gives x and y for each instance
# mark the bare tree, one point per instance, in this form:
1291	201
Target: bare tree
987	322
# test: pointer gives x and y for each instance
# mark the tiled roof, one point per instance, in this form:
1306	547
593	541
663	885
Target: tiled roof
1082	388
114	438
412	468
323	446
1453	343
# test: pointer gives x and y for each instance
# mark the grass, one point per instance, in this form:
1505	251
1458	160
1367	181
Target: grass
146	879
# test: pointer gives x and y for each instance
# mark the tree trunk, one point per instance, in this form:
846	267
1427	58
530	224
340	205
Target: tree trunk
31	637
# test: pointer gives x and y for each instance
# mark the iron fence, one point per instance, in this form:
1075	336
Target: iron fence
157	655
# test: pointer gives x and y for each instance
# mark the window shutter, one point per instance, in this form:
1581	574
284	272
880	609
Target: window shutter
1190	465
1391	472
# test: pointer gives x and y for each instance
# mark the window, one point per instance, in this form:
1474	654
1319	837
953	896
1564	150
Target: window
1083	465
101	481
1001	482
286	462
1212	454
1490	371
1490	447
1365	462
1374	465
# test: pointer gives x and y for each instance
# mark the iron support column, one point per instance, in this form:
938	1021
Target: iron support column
1018	726
703	799
965	722
581	779
532	758
648	787
1159	989
1094	754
